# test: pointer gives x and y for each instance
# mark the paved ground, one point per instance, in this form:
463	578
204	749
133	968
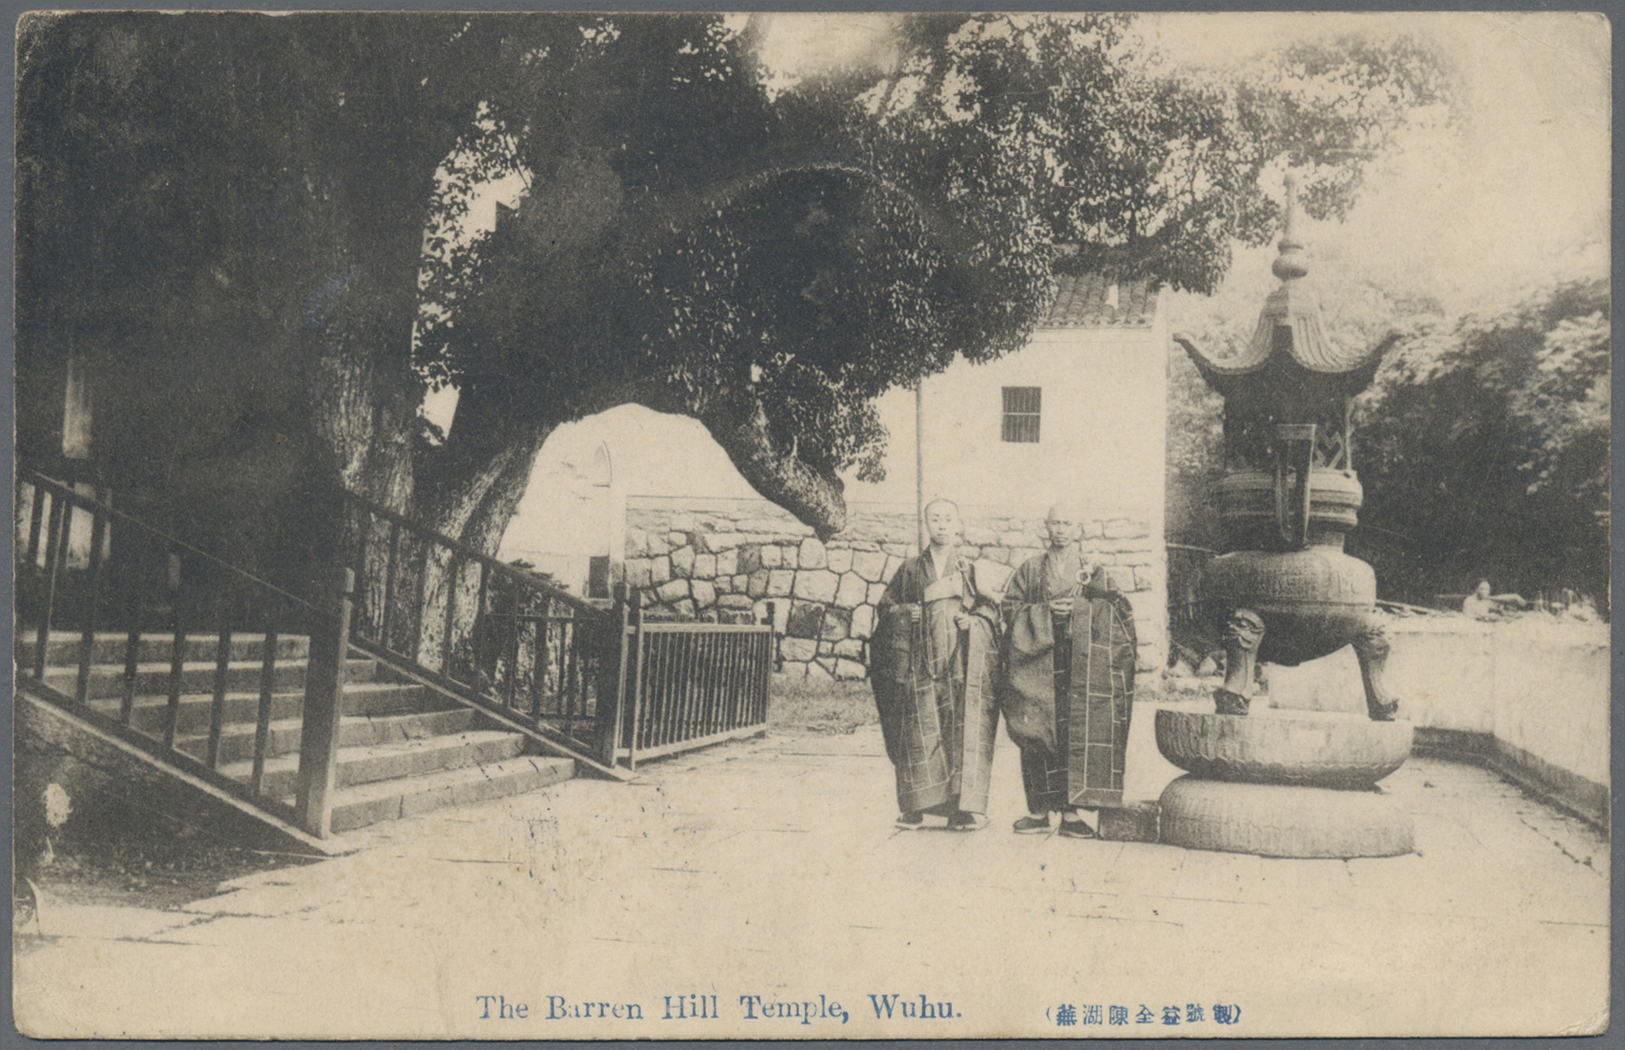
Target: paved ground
770	869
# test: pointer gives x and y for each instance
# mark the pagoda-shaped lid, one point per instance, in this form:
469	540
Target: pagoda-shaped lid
1291	337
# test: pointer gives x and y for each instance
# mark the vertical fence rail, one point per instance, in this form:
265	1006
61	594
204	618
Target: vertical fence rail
140	618
324	692
686	685
513	639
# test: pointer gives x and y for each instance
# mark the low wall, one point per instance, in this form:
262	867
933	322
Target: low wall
727	558
1529	694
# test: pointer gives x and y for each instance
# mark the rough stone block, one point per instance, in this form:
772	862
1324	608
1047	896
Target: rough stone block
705	595
684	609
850	648
705	566
772	557
682	561
852	591
981	537
840	559
724	584
1015	539
850	670
659	570
817	585
1123	529
735	601
739	581
798	649
637	544
897	533
779	582
894	561
811	554
727	563
757	585
680	522
863	621
876	592
825	648
869	564
818	672
717	542
764	524
749	558
637	572
806	620
677	539
672	591
837	624
1094	530
1136	822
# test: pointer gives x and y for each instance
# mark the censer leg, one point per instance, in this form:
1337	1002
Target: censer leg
1372	649
1242	634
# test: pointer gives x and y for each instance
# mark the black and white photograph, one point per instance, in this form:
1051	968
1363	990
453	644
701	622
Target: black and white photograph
887	525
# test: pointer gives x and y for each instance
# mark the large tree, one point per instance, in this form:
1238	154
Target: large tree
228	213
1485	451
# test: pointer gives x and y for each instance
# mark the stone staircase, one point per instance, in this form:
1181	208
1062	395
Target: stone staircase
403	748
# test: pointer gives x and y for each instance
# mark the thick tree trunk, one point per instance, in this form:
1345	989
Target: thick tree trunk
468	491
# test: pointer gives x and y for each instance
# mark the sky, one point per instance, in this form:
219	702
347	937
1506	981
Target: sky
1515	194
1512	198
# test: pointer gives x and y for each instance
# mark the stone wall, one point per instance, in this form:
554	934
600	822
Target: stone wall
727	559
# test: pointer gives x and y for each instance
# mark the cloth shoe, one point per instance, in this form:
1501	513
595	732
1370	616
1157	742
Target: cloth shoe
1076	829
1031	825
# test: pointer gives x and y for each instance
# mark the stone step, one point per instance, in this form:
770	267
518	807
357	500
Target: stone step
197	676
365	804
108	647
237	739
381	762
360	698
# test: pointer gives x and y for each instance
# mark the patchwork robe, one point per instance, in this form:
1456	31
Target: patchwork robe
934	685
1067	687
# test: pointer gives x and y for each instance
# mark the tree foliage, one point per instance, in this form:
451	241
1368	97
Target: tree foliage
250	211
1484	450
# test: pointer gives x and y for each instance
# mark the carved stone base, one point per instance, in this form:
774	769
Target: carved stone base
1279	820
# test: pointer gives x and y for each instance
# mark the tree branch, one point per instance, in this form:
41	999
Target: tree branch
814	496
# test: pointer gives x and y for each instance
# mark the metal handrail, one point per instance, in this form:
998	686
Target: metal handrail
462	550
325	619
96	506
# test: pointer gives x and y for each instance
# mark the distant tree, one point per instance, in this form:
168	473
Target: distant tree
1484	451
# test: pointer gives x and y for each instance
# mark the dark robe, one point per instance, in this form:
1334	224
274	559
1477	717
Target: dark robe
934	684
1068	684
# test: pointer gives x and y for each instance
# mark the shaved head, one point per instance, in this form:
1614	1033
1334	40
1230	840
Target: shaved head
1063	510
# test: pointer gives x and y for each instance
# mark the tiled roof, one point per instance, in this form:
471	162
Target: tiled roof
1085	302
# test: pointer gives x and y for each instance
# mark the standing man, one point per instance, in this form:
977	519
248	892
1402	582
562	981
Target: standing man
1068	686
933	653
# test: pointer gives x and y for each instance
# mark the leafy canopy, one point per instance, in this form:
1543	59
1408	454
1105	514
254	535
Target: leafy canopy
692	240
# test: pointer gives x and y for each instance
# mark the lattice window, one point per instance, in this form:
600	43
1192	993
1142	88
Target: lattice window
1022	407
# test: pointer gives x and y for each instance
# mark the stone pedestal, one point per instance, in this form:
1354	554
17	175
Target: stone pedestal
1283	784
